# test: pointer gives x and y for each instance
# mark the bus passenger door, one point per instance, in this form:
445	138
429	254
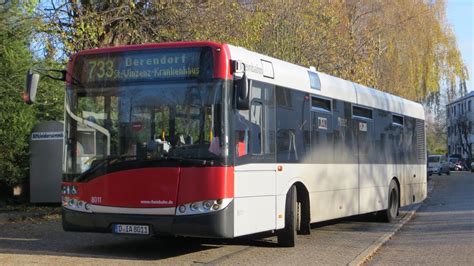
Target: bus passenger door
371	174
334	157
255	173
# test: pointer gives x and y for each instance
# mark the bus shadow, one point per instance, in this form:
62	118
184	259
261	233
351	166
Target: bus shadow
24	239
48	238
358	223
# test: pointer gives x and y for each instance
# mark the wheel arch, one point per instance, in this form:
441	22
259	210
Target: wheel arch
302	196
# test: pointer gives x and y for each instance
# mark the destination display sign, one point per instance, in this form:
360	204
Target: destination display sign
107	69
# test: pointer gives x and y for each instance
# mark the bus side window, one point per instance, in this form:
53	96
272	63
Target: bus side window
255	128
242	143
292	125
242	133
256	121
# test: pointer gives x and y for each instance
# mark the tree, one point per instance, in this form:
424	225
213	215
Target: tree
17	27
77	25
435	125
403	47
463	129
16	119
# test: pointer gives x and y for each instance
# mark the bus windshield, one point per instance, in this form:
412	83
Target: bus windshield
143	123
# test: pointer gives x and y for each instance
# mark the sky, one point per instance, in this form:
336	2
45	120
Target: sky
460	14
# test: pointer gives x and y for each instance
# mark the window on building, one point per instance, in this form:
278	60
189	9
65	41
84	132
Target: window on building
469	105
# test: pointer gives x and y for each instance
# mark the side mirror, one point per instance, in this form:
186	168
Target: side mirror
238	69
242	93
32	79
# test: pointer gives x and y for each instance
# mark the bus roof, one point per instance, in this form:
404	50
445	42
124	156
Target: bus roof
296	77
293	76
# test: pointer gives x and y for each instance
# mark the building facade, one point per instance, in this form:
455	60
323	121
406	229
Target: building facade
460	116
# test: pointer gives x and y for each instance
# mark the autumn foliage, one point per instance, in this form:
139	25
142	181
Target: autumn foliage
404	47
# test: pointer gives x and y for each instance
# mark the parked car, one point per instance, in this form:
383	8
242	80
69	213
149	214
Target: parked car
438	164
452	162
459	166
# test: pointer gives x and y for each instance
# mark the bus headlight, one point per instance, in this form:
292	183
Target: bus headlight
201	207
207	204
76	205
194	206
71	203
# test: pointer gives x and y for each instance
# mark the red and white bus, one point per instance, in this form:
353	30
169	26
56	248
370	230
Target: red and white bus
211	140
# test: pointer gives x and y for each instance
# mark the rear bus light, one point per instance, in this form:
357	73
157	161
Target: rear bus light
201	207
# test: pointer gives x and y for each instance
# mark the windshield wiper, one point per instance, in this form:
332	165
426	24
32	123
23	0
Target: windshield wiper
95	169
97	164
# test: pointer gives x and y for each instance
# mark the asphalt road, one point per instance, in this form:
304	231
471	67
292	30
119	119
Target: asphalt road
442	230
44	242
337	242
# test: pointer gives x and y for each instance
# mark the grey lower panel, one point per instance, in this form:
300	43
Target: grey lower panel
212	225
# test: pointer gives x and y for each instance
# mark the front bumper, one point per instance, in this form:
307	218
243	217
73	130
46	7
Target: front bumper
433	171
218	224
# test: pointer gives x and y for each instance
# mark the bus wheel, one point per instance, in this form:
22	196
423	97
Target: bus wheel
391	212
287	235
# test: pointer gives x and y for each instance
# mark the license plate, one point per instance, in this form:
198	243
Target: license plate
132	229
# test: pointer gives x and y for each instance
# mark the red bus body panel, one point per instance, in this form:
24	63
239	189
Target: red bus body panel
162	187
198	184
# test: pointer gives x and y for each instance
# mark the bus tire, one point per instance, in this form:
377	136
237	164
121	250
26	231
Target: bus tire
287	236
390	214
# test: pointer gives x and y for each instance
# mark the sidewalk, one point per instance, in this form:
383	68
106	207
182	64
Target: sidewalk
24	212
441	233
340	242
